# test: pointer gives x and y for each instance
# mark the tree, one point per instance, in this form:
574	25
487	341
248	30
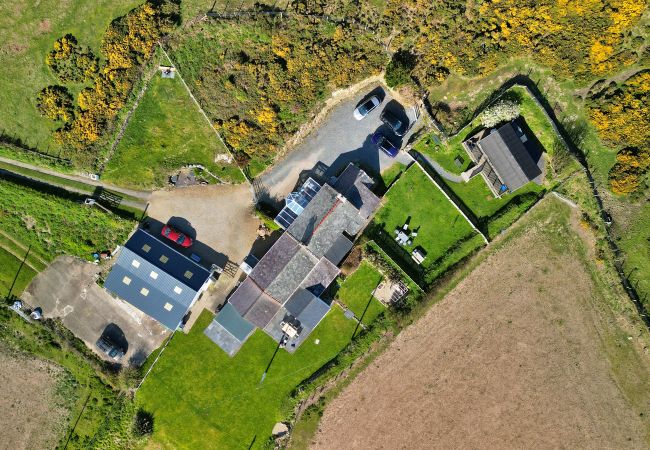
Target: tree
398	71
55	102
503	111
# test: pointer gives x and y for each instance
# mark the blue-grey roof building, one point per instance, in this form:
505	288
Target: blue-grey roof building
282	293
157	279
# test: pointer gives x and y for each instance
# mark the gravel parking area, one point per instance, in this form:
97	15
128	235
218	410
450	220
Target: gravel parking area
340	140
219	218
67	290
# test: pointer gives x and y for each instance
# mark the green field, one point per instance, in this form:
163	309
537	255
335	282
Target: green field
415	198
166	132
10	264
57	223
635	243
356	293
27	31
202	398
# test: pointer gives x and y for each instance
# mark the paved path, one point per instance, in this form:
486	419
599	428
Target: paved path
441	170
340	140
144	195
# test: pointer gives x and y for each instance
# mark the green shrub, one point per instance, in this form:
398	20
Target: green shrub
398	71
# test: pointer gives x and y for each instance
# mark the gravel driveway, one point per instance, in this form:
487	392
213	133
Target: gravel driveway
340	140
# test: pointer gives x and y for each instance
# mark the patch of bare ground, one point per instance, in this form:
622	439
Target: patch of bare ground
525	352
31	418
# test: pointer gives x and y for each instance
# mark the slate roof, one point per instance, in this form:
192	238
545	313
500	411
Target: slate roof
229	330
274	261
339	249
324	219
150	275
320	277
356	185
509	157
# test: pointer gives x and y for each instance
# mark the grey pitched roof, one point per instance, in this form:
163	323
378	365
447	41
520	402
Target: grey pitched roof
343	217
274	261
292	274
320	277
298	301
229	330
303	228
234	323
313	313
253	304
149	288
509	157
356	185
155	251
339	249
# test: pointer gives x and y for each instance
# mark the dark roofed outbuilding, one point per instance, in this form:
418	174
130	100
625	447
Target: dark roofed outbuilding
156	279
509	157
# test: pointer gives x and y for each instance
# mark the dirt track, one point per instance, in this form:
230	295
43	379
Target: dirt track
522	353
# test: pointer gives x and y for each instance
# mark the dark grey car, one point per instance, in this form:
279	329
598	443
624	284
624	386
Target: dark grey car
398	127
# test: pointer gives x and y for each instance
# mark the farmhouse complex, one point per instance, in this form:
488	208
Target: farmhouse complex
282	294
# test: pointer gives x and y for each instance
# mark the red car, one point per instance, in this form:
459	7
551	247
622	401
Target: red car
173	234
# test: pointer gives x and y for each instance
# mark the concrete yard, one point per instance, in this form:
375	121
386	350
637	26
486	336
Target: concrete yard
340	140
67	290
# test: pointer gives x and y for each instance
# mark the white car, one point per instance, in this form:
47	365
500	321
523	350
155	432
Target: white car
364	109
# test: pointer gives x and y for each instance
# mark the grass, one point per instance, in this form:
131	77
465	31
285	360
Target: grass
635	243
222	404
167	131
10	264
417	200
56	223
392	173
54	343
356	293
27	32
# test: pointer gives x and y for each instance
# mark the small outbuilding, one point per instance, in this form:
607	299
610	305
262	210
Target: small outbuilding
506	157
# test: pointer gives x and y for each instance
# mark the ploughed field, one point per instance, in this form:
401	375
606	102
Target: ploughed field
525	351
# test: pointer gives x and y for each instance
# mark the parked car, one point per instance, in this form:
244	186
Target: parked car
173	234
398	127
107	347
384	144
364	109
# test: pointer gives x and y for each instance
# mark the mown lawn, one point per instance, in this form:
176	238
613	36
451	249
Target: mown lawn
27	32
414	198
166	132
202	398
356	293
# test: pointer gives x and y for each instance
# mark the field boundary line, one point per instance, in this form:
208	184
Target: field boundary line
23	247
204	114
20	258
125	123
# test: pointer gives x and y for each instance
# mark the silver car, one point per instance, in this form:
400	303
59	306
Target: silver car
364	109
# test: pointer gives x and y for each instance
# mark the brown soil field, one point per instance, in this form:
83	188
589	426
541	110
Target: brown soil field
525	352
31	418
